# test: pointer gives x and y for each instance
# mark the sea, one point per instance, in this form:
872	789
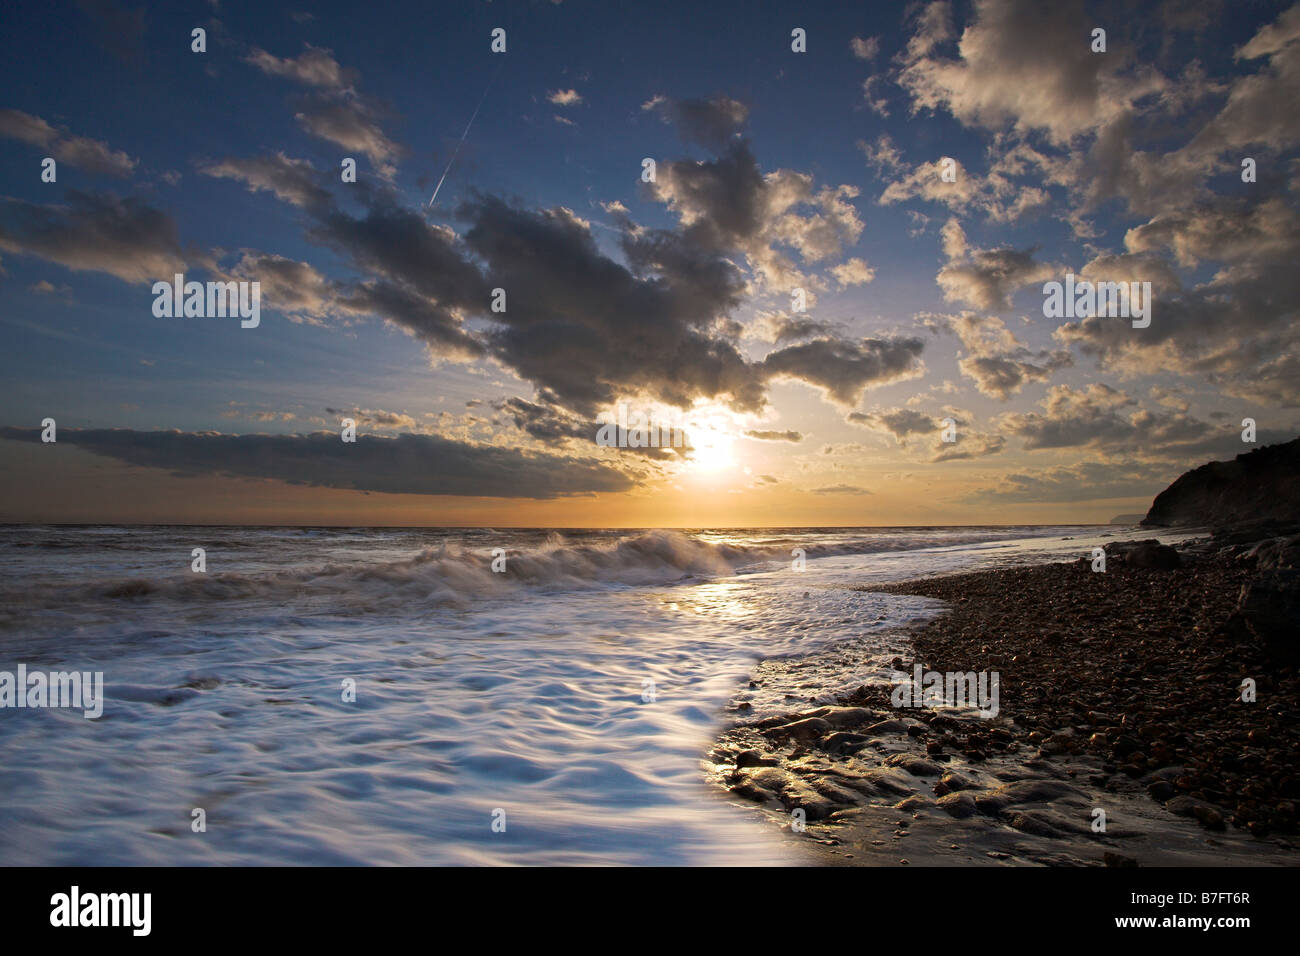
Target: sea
441	696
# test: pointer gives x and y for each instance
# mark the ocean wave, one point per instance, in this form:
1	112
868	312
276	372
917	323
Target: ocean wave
454	574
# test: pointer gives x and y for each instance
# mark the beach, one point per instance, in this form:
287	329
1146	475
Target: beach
1119	691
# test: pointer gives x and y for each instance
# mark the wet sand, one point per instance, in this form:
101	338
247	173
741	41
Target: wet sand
1119	692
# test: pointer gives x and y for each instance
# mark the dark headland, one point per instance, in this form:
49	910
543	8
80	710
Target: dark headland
1161	695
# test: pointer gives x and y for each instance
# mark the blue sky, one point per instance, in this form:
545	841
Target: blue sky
819	170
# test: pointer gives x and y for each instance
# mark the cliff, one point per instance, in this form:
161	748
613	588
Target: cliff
1259	486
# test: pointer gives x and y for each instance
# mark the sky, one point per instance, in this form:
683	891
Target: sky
832	279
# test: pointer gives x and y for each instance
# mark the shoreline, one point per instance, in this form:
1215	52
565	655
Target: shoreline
1119	693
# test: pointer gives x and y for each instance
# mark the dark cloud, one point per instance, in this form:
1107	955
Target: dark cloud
126	238
89	154
899	422
405	464
589	328
845	370
905	423
710	123
761	435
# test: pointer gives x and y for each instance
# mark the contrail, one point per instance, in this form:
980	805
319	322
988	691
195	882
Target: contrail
456	151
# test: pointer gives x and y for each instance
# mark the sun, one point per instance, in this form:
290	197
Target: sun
711	451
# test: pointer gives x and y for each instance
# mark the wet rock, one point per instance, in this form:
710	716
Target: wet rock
916	766
1118	859
886	727
952	782
841	717
1024	791
754	758
959	805
1035	824
837	794
805	731
914	803
843	742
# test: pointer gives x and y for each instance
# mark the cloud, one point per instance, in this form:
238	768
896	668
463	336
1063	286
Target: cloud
727	204
333	109
294	181
351	122
89	154
293	288
709	123
313	67
1002	194
853	272
899	422
998	363
780	327
986	278
1107	420
905	423
564	97
865	48
1022	65
1083	481
405	464
966	445
589	328
839	490
1238	330
125	238
762	435
375	417
844	370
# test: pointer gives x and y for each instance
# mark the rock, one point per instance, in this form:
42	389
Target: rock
1125	745
805	731
1268	608
952	782
1153	555
1117	859
913	803
841	717
1035	824
1275	554
842	742
1024	791
916	766
1186	806
959	805
753	758
886	727
1161	790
